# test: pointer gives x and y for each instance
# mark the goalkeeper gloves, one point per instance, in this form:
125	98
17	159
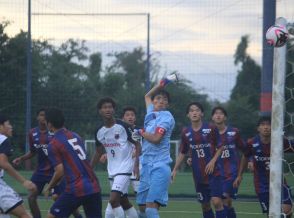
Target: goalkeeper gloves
137	134
170	78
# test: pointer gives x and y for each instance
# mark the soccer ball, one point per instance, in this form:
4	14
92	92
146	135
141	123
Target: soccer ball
277	35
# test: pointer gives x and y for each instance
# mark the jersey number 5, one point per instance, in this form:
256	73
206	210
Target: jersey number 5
77	148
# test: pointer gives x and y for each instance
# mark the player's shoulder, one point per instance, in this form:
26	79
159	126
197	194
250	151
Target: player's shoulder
208	126
253	140
3	139
123	124
34	130
99	128
186	129
231	129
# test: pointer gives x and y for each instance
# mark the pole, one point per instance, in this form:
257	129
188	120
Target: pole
277	125
29	78
147	79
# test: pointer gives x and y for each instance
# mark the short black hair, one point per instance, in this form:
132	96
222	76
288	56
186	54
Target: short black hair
105	100
55	117
197	104
41	110
129	108
161	92
219	108
264	119
3	119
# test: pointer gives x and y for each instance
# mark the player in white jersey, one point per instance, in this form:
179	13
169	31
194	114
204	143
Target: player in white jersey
10	201
116	137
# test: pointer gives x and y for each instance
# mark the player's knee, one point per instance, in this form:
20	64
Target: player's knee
287	209
217	203
114	203
54	197
125	203
206	207
32	196
142	208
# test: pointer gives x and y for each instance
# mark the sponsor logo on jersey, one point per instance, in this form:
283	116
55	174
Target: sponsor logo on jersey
257	158
231	133
206	131
200	146
255	145
40	145
111	145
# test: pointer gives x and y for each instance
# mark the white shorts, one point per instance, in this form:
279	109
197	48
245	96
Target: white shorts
9	199
135	184
120	183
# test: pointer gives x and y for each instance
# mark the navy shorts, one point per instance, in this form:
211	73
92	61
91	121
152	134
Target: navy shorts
67	203
264	198
216	186
228	190
59	188
203	193
40	181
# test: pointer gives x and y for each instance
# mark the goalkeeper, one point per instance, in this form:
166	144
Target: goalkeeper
155	158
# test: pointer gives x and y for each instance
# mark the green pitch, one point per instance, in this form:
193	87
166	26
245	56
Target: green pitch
182	204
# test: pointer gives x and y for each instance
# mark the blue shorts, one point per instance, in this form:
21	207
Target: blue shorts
40	181
216	186
67	203
203	193
59	189
154	183
228	190
264	198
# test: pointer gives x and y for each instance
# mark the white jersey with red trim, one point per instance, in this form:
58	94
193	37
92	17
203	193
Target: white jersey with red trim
118	143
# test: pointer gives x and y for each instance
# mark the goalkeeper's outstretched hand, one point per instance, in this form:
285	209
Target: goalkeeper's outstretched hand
174	77
137	134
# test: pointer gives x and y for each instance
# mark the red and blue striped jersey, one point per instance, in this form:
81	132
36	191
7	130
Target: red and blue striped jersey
230	158
39	141
201	146
67	148
261	161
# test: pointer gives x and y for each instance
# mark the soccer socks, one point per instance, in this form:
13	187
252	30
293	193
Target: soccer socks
152	212
231	212
109	212
118	212
208	214
220	214
131	213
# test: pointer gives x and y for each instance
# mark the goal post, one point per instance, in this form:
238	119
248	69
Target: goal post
277	125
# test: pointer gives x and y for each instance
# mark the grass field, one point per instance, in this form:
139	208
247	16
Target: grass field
182	204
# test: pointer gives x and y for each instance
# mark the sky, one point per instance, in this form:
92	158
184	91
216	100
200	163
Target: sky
197	38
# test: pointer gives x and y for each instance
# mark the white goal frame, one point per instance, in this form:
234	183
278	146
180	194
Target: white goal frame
277	126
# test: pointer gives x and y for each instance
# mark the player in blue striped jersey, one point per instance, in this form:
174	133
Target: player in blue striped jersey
230	159
199	141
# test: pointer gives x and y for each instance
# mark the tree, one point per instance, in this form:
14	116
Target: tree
243	105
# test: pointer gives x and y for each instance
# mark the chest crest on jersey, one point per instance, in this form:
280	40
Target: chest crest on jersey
205	132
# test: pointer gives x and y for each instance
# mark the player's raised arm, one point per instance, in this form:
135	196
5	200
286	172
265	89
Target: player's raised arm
162	83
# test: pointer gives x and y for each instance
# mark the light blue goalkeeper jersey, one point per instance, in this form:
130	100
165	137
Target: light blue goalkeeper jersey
152	153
